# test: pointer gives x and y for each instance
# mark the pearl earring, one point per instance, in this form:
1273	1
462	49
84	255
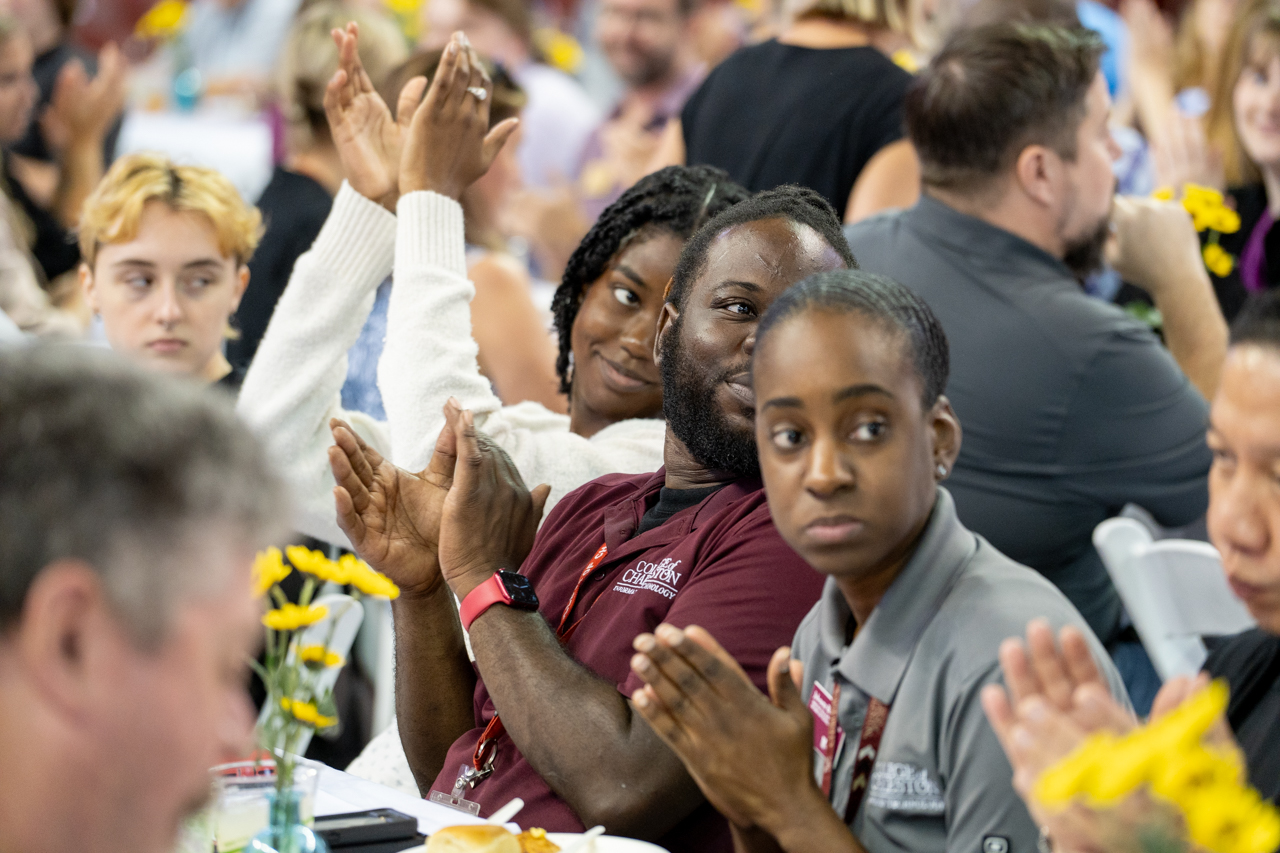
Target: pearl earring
942	471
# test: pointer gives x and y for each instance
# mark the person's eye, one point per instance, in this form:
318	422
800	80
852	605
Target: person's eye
786	438
136	281
739	308
626	296
198	283
1222	459
870	431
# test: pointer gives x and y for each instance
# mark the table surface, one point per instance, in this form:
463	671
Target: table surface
340	793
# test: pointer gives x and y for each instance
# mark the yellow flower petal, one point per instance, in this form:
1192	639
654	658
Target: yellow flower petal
319	656
365	579
1163	194
291	617
268	570
306	712
162	21
315	563
561	49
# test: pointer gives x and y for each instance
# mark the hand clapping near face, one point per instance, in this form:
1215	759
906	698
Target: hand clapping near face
449	144
368	138
392	517
489	517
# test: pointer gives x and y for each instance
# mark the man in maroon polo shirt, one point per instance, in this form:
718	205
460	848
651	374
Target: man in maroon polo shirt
692	543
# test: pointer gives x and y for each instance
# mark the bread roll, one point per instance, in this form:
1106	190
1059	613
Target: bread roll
480	838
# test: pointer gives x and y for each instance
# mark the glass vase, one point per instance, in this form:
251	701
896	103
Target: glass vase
286	832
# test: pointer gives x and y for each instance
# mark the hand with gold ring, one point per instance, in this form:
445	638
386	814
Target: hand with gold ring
449	143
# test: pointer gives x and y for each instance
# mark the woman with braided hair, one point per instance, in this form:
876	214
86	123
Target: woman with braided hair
605	310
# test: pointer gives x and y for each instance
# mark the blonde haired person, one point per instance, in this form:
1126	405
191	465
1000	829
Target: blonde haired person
165	253
819	106
296	201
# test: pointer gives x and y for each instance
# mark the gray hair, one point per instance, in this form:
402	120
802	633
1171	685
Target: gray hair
148	479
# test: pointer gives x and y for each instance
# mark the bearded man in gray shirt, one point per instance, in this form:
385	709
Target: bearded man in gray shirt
1071	408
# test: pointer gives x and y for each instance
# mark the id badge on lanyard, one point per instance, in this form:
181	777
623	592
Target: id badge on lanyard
829	744
481	766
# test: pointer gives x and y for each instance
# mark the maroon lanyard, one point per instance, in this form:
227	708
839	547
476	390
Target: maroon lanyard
864	758
486	748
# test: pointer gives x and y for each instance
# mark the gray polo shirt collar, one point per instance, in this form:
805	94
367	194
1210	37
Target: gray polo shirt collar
879	655
938	222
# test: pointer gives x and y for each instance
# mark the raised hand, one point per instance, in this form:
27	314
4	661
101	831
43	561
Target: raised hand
391	516
368	138
449	144
703	706
489	518
81	110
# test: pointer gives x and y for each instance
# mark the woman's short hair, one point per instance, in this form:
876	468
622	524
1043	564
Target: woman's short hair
508	98
113	210
880	299
309	58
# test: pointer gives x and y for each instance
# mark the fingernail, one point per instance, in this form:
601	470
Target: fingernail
639	663
644	643
670	633
452	49
641	700
1034	709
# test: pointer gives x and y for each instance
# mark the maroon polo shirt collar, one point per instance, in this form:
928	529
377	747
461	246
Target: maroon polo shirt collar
623	518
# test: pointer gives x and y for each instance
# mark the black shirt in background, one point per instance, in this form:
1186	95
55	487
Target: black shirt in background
55	248
294	207
1250	663
775	114
670	502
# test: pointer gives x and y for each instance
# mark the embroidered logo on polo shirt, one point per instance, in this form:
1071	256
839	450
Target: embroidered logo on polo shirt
660	577
902	787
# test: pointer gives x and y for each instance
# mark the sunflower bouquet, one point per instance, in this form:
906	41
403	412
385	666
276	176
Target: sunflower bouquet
297	698
1210	214
1185	775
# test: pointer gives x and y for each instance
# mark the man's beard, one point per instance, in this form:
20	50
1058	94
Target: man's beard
1084	256
689	401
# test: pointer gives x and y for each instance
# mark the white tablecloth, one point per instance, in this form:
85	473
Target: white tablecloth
340	793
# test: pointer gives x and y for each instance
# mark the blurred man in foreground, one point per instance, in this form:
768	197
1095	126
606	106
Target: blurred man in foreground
131	506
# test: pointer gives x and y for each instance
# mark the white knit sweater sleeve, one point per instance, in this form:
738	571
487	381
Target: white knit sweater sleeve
294	386
430	356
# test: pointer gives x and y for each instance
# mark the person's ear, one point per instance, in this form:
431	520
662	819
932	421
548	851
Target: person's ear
945	427
59	634
666	319
1038	173
242	283
88	286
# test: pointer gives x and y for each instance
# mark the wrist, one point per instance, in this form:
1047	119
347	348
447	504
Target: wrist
806	822
464	581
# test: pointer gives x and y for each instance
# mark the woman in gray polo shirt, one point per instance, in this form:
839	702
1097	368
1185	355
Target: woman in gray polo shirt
854	435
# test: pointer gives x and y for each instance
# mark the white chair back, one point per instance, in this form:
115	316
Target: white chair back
1175	593
345	616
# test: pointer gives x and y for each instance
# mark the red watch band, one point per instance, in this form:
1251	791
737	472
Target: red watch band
481	598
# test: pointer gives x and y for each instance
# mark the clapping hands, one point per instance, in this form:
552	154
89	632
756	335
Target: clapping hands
82	109
368	138
466	515
440	142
